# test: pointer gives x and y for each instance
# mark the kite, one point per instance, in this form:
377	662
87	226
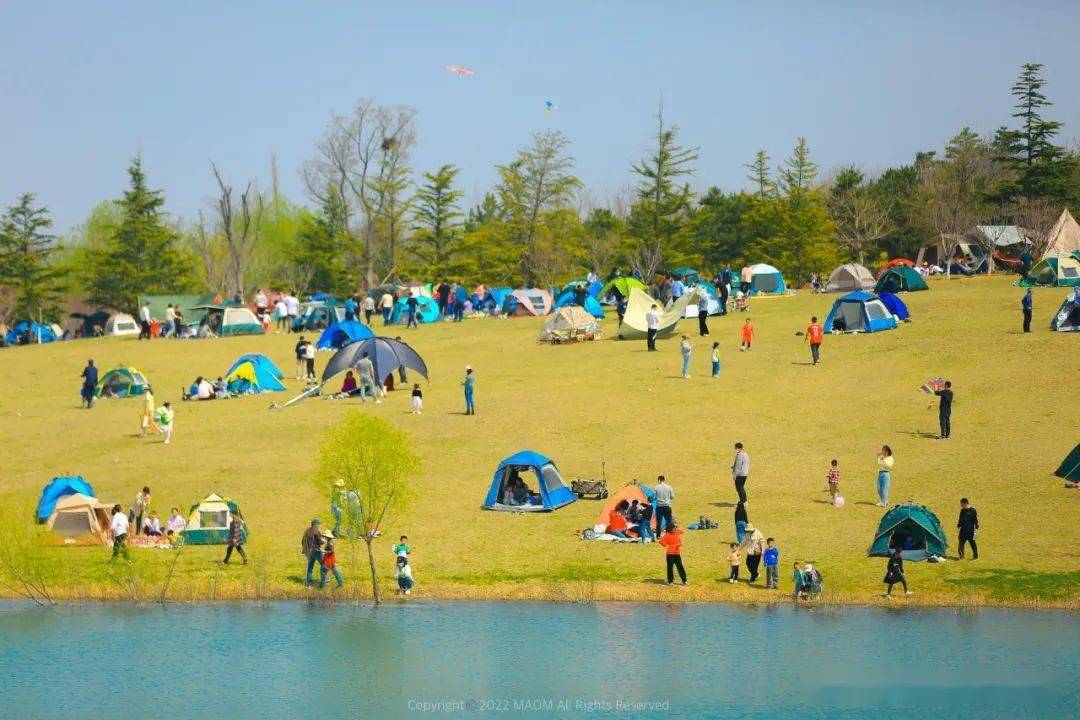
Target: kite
460	71
932	385
551	107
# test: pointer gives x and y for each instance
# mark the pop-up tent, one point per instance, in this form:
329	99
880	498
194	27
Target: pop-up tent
914	529
57	488
591	304
530	302
896	305
1055	271
226	320
121	382
900	278
78	520
633	325
621	285
766	280
1070	466
427	310
629	492
28	332
569	324
848	277
121	324
897	262
1067	317
208	521
859	312
343	333
549	493
253	374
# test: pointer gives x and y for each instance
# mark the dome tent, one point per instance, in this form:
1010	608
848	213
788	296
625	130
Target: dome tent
530	302
228	320
859	312
121	324
340	334
121	382
253	374
552	491
900	278
622	285
1067	317
850	276
427	310
592	306
58	488
208	521
78	520
914	529
1055	271
569	324
766	280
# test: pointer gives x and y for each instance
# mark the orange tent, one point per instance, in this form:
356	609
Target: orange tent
897	261
628	492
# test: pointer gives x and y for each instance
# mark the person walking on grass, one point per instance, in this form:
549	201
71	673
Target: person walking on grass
366	370
119	527
833	480
945	410
411	305
663	496
386	305
734	560
146	414
1026	304
894	573
652	327
741	521
311	548
703	314
469	384
369	308
715	357
167	421
772	564
236	538
672	543
145	321
404	575
740	471
747	335
300	350
753	546
814	335
967	524
328	562
685	348
309	362
417	399
89	384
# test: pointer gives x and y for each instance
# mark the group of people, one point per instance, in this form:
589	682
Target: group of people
160	419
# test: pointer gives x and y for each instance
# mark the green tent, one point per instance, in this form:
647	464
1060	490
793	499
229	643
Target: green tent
186	303
900	278
689	276
121	382
1055	271
1070	466
915	529
624	284
208	521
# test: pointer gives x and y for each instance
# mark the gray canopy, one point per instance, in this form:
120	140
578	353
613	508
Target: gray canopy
386	355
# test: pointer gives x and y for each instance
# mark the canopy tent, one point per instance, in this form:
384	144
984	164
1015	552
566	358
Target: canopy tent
896	305
427	310
1055	271
93	324
897	262
121	382
552	492
621	285
633	326
689	276
386	354
999	235
78	519
900	278
208	521
253	374
121	324
914	529
531	302
766	280
848	277
1067	317
1070	466
859	312
227	320
343	333
57	488
569	324
191	306
591	304
629	493
28	332
1064	237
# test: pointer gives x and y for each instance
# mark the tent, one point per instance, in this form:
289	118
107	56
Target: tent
551	490
92	324
622	285
633	325
28	332
342	333
703	292
896	305
569	324
121	382
57	488
191	306
900	278
848	277
121	324
689	276
914	529
897	262
859	312
386	355
1000	235
629	492
1070	466
208	521
78	519
1056	271
253	374
766	280
225	320
427	310
591	288
531	302
591	305
321	311
1067	317
1064	237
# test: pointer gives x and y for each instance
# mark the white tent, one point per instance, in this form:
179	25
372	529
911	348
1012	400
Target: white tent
78	519
121	324
1064	237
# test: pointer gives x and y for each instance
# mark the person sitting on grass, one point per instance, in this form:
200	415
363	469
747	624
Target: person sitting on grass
348	385
404	575
617	521
175	524
152	525
221	391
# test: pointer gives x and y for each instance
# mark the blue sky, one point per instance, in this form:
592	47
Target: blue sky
83	85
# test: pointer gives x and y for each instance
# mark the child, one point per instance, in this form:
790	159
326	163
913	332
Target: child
645	531
747	334
165	420
834	481
733	560
672	542
329	561
716	359
402	548
417	399
799	581
300	350
685	348
404	575
772	565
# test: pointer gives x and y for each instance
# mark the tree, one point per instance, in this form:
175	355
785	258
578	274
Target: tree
31	279
241	232
386	203
797	174
320	247
376	462
717	232
142	254
437	222
761	176
900	189
861	217
603	231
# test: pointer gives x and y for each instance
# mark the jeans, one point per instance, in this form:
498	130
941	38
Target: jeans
685	365
412	320
664	518
740	530
883	486
815	352
675	562
336	512
945	421
715	368
386	316
650	339
645	531
459	312
470	409
313	559
740	487
734	573
324	571
772	576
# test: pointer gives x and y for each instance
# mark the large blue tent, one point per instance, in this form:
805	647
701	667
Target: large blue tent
343	333
551	491
427	310
57	488
859	312
591	304
30	332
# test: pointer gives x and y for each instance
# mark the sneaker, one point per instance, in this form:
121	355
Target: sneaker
908	592
670	583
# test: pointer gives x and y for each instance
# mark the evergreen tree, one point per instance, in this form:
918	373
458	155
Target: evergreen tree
717	232
28	270
437	222
798	173
761	176
321	246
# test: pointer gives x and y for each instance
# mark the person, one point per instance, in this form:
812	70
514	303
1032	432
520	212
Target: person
644	527
309	360
204	390
747	335
741	521
814	335
703	313
300	350
1026	304
170	321
369	308
292	312
945	409
459	307
152	525
815	283
403	375
678	289
337	499
469	383
616	524
715	359
417	399
235	541
348	385
144	321
166	418
745	278
221	390
411	303
386	305
328	561
734	561
652	328
311	547
799	581
261	301
1026	260
967	524
685	348
885	464
772	564
894	573
753	545
402	549
833	480
139	508
620	306
367	379
443	295
89	384
281	312
175	524
350	308
663	496
740	471
404	575
119	527
671	541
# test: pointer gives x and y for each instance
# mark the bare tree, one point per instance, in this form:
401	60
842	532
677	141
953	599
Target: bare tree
861	220
387	202
215	262
241	233
1034	218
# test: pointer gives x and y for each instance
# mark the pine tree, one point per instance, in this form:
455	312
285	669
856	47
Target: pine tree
437	222
798	173
321	246
761	176
27	268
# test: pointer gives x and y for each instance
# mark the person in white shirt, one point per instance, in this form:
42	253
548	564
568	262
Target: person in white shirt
204	389
652	325
260	301
386	304
119	527
144	321
369	308
166	416
176	523
281	312
170	322
292	308
309	356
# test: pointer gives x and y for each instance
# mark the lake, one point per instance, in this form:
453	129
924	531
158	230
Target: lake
491	659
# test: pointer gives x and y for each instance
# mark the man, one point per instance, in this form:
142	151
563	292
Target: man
292	306
403	377
1025	263
652	328
386	305
366	370
703	312
90	380
945	410
170	322
369	308
139	508
144	321
745	278
968	523
1025	305
119	526
444	297
740	470
677	289
580	293
281	311
663	496
350	308
724	287
311	547
814	335
412	304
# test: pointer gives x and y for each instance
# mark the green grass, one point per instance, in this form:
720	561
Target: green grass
587	405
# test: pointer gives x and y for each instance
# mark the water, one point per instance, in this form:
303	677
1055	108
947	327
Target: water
481	660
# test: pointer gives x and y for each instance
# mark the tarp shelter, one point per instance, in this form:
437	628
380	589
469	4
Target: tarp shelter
999	235
900	278
208	521
386	354
914	529
1064	237
1067	317
547	483
848	277
253	374
343	333
591	304
859	312
28	332
121	382
569	324
93	324
954	254
896	305
78	520
633	326
629	492
57	488
121	324
191	306
227	320
1070	466
766	280
1055	271
533	301
622	285
427	310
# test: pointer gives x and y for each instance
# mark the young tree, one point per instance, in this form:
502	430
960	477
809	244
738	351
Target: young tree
29	274
437	222
761	176
603	231
376	461
320	246
797	174
861	217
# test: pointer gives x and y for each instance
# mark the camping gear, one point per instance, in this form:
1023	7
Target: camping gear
898	279
859	312
253	374
1063	239
1055	271
766	280
386	354
896	306
1067	317
28	332
321	311
550	486
633	326
850	276
1070	466
343	333
703	292
591	304
121	382
914	529
208	521
78	520
121	324
57	488
569	324
93	324
597	488
226	320
689	276
533	301
427	310
623	284
629	492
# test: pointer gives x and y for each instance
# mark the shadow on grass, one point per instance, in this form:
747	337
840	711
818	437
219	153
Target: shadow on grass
802	363
919	434
829	502
723	504
654	581
864	502
1008	584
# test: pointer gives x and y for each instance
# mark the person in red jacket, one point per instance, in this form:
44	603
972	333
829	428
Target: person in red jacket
672	542
814	335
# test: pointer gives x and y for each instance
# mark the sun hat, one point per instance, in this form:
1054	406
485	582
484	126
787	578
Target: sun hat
749	527
339	483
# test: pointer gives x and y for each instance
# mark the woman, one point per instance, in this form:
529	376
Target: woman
617	525
348	385
469	383
740	521
152	525
884	476
236	538
753	545
894	573
175	524
146	415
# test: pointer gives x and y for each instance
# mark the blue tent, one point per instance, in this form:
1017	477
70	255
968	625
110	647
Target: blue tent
427	310
31	332
896	305
253	374
57	488
550	491
500	295
859	312
592	305
341	334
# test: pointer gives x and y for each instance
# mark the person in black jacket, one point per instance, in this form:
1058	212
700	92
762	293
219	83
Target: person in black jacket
945	409
968	523
894	573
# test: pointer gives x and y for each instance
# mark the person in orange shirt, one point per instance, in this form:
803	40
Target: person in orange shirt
747	334
672	542
616	524
814	335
